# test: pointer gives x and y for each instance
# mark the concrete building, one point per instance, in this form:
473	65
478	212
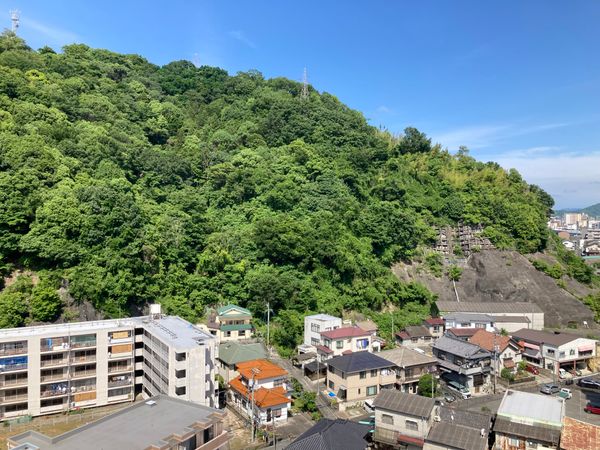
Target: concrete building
359	376
463	363
410	365
261	391
402	420
555	351
528	421
161	422
497	309
232	353
230	323
53	368
469	320
345	340
313	327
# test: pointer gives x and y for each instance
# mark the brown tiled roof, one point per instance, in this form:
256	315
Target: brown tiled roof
485	340
435	321
578	435
463	332
536	432
324	349
539	336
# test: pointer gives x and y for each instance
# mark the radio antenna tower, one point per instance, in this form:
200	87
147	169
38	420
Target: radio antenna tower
14	17
304	93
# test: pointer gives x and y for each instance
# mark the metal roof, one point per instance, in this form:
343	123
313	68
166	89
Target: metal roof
457	436
417	331
400	402
465	418
468	317
234	352
518	406
137	427
358	361
535	432
538	336
329	434
489	307
459	347
511	319
326	317
238	309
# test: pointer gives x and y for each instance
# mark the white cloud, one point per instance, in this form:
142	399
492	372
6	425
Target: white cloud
239	35
52	34
572	179
383	109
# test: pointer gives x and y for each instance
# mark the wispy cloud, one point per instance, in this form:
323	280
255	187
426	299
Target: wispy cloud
53	34
383	109
239	35
482	136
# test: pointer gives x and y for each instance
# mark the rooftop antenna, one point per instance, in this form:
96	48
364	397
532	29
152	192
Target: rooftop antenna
14	17
304	93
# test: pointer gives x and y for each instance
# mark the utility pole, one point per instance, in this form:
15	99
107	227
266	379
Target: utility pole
268	327
274	435
495	363
253	415
304	93
393	335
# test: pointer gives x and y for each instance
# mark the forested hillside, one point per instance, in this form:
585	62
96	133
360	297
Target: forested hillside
128	183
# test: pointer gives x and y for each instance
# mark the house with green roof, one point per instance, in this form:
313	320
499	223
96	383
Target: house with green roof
233	352
230	323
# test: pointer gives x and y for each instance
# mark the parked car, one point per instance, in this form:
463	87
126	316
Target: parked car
592	408
565	393
576	372
532	369
461	390
563	374
588	383
449	398
549	389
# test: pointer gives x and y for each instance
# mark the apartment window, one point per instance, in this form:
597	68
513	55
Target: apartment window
315	327
386	418
436	329
374	372
363	375
411	425
465	324
209	434
331	384
550	352
513	442
480	325
180	390
372	390
180	373
339	344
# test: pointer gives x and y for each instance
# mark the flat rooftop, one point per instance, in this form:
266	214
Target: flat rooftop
134	428
173	330
489	307
532	409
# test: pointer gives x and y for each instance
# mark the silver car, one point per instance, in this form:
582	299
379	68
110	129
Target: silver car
549	389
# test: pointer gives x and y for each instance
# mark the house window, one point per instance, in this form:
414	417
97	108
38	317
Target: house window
436	329
331	369
372	390
362	343
414	339
363	375
339	344
278	382
411	425
550	352
315	327
480	325
180	390
228	334
572	352
374	372
465	325
358	391
331	385
276	412
513	442
561	355
315	342
386	418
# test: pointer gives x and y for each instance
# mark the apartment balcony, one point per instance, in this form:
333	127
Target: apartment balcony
114	356
13	368
83	344
19	398
124	340
54	393
83	359
83	374
13	352
120	398
53	377
120	383
120	369
11	414
7	384
54	362
54	349
53	408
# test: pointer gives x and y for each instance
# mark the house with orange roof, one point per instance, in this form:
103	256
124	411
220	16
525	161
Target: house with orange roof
261	391
507	353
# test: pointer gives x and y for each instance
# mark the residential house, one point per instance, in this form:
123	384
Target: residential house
344	340
576	435
358	376
161	422
414	336
464	334
371	327
591	248
469	320
455	429
261	391
556	350
230	323
233	352
497	309
435	326
463	363
410	366
313	327
528	421
506	352
337	434
402	421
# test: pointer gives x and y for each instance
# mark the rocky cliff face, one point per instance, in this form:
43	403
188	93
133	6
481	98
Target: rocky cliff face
502	276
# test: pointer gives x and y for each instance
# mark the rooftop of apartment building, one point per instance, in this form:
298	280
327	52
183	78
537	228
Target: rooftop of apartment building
161	418
544	337
406	357
489	307
173	330
322	317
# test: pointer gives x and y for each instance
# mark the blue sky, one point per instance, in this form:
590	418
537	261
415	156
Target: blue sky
517	82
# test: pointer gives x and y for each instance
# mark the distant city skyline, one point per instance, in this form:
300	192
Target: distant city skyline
515	82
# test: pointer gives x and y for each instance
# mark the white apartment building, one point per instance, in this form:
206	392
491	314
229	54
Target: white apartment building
313	327
54	368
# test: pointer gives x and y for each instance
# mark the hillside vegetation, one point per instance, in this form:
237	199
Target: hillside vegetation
128	183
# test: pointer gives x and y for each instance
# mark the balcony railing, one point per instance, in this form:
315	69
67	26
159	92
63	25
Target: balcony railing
53	393
13	351
53	362
13	382
83	359
83	344
63	347
84	373
53	377
118	383
13	367
120	369
13	398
